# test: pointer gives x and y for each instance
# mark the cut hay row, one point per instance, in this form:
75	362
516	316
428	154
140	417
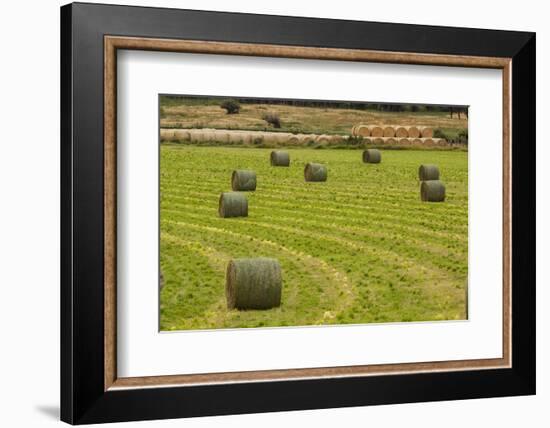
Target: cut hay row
399	131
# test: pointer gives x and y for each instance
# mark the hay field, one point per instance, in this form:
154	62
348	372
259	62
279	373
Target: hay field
359	248
296	119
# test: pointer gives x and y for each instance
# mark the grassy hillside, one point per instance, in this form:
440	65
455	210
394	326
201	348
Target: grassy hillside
359	248
208	114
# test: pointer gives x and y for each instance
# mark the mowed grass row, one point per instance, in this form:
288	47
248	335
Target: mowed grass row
359	248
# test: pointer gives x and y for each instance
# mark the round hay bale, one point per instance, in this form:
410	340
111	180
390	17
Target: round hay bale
362	131
181	134
390	141
428	172
372	156
401	132
233	204
432	191
440	141
428	142
315	172
294	139
416	142
243	180
254	283
404	142
389	131
235	137
353	130
196	136
413	132
210	136
322	139
307	139
426	132
378	141
167	135
280	158
376	131
338	139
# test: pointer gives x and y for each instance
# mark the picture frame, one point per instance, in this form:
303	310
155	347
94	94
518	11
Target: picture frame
91	391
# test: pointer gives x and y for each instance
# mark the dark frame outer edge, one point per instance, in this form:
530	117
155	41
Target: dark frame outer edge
83	399
66	351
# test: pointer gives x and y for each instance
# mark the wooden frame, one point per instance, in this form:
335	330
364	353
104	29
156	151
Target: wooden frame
75	389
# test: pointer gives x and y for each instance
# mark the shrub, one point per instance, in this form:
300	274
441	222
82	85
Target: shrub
231	106
272	119
463	137
438	133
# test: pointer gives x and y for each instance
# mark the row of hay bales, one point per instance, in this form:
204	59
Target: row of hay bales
257	137
246	137
393	141
399	131
255	282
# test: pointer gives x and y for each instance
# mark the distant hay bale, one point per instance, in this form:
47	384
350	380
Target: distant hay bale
389	131
390	141
440	142
294	139
315	172
416	142
235	137
167	135
307	138
362	131
353	130
376	131
404	142
323	139
413	132
210	136
428	172
280	158
196	136
426	132
428	142
243	180
337	139
283	137
181	134
401	132
378	141
253	283
372	156
432	191
233	204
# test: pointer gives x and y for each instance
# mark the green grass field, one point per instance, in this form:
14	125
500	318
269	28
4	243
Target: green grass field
360	248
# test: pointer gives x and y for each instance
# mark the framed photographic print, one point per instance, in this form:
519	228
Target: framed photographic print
266	213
